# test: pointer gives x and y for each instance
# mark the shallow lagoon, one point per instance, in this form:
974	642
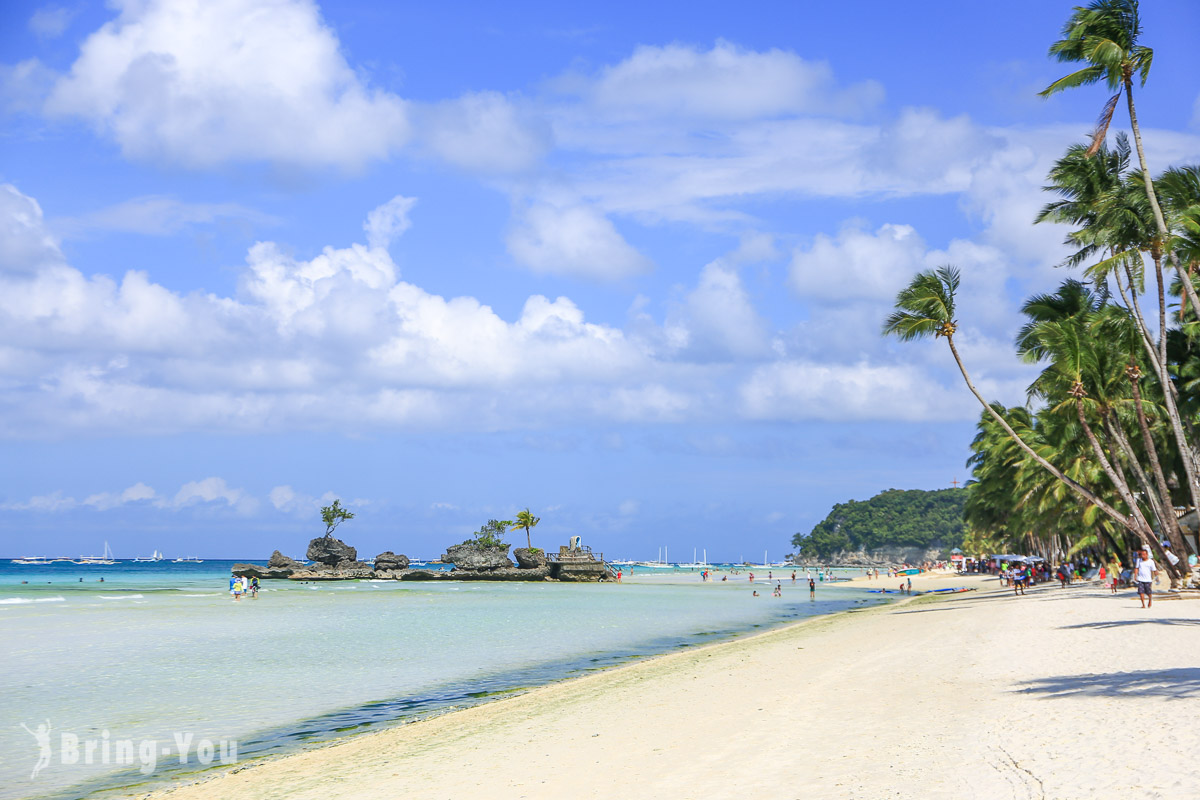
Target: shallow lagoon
160	649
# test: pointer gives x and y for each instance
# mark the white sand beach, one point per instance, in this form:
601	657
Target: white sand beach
1062	693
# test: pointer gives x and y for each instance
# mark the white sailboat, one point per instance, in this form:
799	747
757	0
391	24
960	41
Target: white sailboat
107	558
154	557
32	560
188	560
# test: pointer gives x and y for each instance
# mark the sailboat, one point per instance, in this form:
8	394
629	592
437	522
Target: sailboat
154	557
107	558
188	560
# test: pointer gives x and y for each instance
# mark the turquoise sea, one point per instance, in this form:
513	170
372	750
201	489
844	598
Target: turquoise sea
159	659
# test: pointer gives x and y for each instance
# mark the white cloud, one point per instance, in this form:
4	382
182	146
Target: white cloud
104	501
857	265
629	507
484	132
168	81
50	22
25	243
207	492
289	501
717	319
573	240
157	215
214	490
799	390
725	82
387	222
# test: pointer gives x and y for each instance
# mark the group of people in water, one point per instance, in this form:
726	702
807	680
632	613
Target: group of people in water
241	585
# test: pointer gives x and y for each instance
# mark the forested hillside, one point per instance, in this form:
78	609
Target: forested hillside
896	517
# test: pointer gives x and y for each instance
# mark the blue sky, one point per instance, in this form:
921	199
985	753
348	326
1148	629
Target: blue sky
625	265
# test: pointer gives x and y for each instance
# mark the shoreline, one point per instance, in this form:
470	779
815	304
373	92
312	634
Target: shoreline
970	695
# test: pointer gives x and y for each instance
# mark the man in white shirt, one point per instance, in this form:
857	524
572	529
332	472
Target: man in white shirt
1146	570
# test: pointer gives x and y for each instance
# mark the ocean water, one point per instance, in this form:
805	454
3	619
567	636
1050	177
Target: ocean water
160	651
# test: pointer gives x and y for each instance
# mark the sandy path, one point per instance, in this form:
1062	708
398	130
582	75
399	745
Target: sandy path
1059	694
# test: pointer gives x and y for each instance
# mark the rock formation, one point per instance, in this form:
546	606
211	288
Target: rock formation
331	552
530	558
389	561
472	557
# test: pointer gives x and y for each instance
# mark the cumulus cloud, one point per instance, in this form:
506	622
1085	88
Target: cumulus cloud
573	240
717	319
214	490
390	220
335	340
726	82
167	81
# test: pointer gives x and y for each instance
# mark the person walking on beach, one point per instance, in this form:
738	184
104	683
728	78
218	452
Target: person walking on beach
235	587
812	589
254	587
910	585
1147	570
793	576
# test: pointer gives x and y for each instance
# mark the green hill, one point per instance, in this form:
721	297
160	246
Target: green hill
896	518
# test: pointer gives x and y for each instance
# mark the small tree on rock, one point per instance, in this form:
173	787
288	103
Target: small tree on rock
333	516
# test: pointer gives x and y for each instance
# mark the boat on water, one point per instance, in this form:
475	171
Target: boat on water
107	558
152	558
32	560
188	560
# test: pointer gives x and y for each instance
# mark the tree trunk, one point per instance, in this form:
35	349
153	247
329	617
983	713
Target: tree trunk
1139	526
1175	534
1075	486
1160	221
1186	454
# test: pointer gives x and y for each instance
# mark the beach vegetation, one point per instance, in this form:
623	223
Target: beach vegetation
334	515
1105	450
526	519
491	534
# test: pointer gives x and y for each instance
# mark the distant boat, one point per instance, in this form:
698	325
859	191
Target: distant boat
188	560
32	560
155	556
107	558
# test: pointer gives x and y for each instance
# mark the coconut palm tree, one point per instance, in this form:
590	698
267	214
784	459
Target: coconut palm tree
925	308
525	519
1104	35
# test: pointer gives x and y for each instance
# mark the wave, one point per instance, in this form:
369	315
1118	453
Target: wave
14	601
121	596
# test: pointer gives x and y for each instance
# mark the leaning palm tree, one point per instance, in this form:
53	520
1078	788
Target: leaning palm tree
1104	36
526	519
926	308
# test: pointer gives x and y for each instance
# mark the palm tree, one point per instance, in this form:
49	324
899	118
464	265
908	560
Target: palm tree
926	308
526	519
1104	36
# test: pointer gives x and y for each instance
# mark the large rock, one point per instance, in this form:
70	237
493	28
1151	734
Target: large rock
279	561
330	551
530	558
389	561
501	574
346	571
473	557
